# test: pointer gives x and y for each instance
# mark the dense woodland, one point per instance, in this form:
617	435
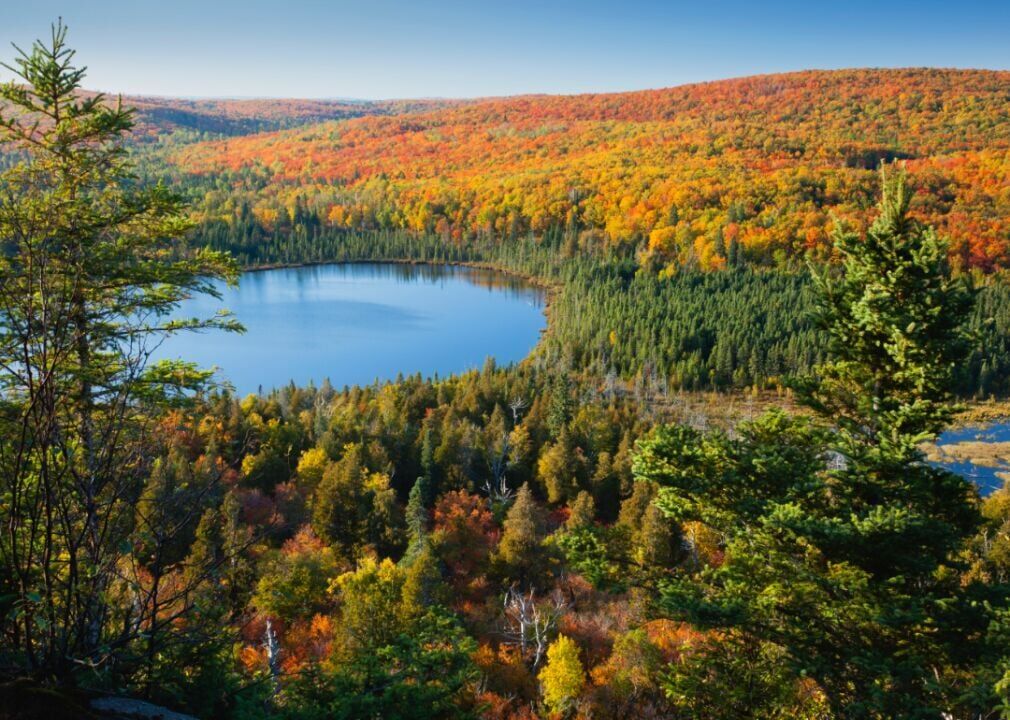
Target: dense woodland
675	225
700	176
740	328
556	539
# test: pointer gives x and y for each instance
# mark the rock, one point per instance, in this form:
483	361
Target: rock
129	709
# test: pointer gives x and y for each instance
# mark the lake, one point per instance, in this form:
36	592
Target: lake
357	323
979	452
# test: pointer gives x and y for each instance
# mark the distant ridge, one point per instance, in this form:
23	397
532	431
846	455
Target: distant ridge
242	116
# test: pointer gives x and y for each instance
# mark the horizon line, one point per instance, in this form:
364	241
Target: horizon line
478	98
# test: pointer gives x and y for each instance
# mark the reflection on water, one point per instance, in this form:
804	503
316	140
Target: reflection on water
355	323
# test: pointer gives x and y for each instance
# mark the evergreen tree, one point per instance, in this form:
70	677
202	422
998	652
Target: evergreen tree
90	272
558	469
582	511
894	317
559	409
521	552
428	467
850	571
340	504
424	586
417	520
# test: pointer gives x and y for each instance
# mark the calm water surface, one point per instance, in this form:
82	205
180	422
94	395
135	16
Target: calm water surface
987	477
355	323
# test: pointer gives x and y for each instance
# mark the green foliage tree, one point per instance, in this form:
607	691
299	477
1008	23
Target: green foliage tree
295	581
91	268
560	404
416	520
423	672
894	316
521	553
736	677
354	509
371	599
392	658
839	542
424	585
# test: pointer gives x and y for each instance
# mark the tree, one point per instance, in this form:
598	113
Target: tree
462	535
423	672
894	318
559	409
558	469
563	676
428	467
295	581
339	504
424	586
848	570
582	512
371	597
528	623
627	684
89	275
734	677
311	466
392	658
354	509
417	520
650	540
521	552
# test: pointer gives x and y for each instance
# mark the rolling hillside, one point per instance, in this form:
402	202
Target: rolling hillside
158	115
703	175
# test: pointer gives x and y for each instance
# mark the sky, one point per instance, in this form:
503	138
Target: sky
379	49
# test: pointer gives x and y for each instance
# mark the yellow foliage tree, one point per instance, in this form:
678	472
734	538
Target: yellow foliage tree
563	676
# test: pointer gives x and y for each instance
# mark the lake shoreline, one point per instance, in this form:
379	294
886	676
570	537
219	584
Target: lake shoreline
978	413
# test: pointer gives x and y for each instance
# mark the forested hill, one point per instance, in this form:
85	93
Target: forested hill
158	116
699	175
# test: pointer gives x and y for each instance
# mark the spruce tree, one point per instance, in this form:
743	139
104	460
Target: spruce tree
428	467
840	542
91	270
417	521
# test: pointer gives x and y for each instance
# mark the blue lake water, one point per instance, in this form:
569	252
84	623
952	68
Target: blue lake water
985	476
355	323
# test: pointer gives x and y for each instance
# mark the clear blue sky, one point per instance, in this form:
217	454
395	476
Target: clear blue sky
415	48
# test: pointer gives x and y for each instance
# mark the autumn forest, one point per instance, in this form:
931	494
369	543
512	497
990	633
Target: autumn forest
703	495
